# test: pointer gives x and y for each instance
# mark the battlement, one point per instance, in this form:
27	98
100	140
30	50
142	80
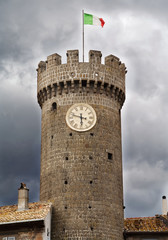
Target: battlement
41	66
73	58
95	56
113	61
54	60
55	78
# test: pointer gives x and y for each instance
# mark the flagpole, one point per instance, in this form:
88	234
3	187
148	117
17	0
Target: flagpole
83	32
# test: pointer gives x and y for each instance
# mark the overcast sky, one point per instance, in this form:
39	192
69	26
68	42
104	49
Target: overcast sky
136	31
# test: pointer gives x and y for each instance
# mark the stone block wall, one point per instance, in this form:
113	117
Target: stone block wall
81	172
19	232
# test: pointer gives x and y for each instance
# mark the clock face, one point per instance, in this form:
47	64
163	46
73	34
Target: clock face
81	117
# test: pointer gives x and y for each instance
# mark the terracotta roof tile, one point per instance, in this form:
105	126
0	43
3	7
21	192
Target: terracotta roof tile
146	224
36	211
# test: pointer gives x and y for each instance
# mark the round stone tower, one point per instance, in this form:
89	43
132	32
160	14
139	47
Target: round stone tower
81	155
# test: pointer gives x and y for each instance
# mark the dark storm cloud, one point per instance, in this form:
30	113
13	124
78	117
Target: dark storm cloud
19	144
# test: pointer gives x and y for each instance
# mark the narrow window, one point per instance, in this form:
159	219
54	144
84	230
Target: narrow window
54	106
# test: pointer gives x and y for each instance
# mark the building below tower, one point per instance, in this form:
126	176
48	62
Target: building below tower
34	223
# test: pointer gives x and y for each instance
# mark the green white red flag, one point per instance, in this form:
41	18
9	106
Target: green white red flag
93	20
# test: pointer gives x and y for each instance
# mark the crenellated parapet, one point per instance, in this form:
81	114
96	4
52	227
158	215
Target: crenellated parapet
56	79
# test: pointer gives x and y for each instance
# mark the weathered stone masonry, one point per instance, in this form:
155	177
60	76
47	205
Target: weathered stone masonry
81	172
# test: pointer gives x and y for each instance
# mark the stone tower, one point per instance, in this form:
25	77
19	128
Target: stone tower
81	156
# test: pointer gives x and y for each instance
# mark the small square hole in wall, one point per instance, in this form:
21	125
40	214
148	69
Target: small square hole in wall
110	156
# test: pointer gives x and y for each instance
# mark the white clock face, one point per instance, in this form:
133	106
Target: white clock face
81	117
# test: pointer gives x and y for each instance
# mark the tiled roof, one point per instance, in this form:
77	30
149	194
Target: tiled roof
158	223
36	211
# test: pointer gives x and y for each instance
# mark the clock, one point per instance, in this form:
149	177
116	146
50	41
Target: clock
81	117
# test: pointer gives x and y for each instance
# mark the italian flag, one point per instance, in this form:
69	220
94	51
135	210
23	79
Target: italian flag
93	20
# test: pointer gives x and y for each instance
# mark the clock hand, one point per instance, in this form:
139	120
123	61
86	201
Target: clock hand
81	118
76	115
